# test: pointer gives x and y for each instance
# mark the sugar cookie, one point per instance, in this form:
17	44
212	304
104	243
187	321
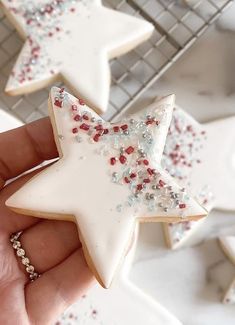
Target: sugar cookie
72	40
107	179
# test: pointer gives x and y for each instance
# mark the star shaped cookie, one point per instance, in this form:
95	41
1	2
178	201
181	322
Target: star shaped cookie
107	179
200	158
71	40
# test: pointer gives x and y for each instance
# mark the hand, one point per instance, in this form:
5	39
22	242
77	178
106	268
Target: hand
53	247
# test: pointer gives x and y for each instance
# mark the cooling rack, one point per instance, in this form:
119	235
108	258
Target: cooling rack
178	24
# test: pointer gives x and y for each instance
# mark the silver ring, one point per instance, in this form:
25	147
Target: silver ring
20	252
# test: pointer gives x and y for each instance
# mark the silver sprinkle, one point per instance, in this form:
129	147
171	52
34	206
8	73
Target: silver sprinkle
78	138
132	121
160	205
154	187
147	196
152	196
165	209
126	132
93	119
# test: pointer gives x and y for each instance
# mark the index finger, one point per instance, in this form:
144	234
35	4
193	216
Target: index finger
25	147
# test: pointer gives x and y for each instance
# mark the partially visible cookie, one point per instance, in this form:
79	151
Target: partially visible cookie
108	178
200	158
227	244
71	40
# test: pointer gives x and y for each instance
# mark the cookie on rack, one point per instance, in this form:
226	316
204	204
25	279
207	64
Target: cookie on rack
107	179
199	157
72	41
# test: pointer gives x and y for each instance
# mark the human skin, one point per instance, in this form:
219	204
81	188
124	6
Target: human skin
53	247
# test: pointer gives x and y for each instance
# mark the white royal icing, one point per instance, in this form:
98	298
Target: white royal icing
108	178
74	39
197	156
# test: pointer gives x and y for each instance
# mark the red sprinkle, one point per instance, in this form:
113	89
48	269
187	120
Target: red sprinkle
112	161
182	206
122	159
85	117
146	180
99	127
81	102
146	162
74	107
116	128
124	127
149	122
106	131
75	130
84	127
161	183
126	180
150	171
96	137
132	175
77	117
139	187
58	103
129	150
